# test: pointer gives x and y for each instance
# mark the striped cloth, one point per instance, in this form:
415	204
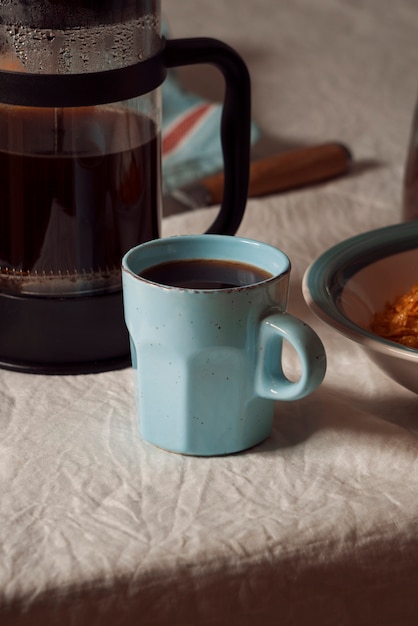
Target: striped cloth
191	143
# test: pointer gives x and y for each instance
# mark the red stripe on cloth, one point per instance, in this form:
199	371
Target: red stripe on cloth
183	127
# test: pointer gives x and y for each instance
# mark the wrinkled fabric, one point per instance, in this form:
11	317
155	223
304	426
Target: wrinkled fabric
319	523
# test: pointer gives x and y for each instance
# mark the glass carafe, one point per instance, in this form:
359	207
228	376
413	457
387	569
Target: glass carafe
80	168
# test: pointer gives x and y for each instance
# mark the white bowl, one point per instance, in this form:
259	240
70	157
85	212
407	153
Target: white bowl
353	280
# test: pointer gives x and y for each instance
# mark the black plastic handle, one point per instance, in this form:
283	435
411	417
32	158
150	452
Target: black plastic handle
236	120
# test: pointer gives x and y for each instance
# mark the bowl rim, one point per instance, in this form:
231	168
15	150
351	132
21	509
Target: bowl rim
325	278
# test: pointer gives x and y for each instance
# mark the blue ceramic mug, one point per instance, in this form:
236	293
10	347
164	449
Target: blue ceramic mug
206	315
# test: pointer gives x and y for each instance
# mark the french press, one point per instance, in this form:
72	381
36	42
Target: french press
80	169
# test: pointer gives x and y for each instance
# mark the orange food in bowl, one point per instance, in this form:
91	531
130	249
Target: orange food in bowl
399	320
10	63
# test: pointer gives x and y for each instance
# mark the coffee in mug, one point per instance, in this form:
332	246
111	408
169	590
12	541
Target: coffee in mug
205	274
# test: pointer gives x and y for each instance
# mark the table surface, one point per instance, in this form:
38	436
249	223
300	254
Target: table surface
318	524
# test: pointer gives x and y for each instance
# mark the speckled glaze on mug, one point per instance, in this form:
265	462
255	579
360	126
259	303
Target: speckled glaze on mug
208	362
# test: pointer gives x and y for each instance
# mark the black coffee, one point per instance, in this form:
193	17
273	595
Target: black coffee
79	200
205	274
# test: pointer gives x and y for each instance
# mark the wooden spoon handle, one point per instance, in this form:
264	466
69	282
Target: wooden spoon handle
289	170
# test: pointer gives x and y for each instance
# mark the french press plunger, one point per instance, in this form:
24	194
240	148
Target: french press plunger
80	169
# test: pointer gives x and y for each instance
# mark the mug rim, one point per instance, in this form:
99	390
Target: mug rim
192	247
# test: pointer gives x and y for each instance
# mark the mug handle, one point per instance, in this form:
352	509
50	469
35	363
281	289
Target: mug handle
271	381
236	120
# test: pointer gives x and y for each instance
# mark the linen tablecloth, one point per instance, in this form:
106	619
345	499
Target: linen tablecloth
318	524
